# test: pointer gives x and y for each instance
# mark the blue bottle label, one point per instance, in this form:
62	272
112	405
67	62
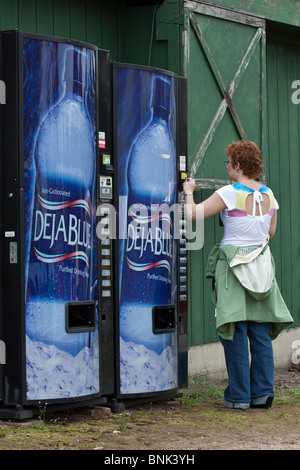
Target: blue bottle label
59	195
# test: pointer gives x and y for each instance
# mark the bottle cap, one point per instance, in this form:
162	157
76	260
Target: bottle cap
76	67
161	93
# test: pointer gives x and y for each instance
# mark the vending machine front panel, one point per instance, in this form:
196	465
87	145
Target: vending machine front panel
51	319
60	125
146	151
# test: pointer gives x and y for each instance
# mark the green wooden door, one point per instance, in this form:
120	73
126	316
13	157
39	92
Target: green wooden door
224	56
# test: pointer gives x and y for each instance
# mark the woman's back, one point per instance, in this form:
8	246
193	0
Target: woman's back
248	215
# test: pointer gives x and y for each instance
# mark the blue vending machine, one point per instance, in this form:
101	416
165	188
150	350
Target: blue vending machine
144	178
49	301
93	288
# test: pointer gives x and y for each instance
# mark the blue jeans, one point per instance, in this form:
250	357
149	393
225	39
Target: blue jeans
249	384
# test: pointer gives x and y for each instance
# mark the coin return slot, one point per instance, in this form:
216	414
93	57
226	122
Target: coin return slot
163	319
80	317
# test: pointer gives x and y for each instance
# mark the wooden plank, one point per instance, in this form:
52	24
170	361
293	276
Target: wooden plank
169	19
264	118
209	333
210	183
284	173
109	30
196	292
78	20
27	16
9	17
281	11
94	23
45	17
225	14
61	18
271	159
186	50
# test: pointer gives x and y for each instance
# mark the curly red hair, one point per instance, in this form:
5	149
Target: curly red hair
248	155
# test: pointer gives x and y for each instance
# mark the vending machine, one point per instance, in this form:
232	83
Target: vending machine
49	302
141	211
93	260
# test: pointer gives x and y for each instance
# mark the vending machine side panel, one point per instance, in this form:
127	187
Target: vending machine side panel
106	219
12	222
2	342
182	255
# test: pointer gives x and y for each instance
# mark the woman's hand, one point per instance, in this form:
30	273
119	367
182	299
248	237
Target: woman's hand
189	185
210	206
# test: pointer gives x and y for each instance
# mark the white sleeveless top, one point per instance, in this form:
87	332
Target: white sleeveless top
240	228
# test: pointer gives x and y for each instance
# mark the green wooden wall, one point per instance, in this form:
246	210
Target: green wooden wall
282	164
283	11
92	21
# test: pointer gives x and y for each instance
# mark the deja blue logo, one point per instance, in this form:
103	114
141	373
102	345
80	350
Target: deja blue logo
68	230
149	236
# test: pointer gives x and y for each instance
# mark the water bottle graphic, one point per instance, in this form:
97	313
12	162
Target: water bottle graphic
62	223
148	251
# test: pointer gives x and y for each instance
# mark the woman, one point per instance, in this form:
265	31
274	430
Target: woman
248	302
